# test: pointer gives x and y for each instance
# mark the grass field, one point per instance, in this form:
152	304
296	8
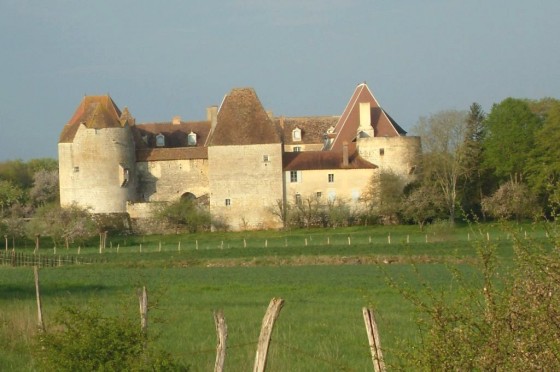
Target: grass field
325	277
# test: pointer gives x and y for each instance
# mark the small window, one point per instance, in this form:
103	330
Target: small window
228	202
294	176
266	159
381	152
296	134
160	140
298	199
76	169
191	139
319	194
297	148
331	177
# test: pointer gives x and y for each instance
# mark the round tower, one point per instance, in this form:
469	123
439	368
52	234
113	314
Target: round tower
96	155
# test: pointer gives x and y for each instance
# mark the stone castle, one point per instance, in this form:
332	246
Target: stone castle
242	161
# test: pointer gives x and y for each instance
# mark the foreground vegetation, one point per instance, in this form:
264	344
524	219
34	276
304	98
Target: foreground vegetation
324	285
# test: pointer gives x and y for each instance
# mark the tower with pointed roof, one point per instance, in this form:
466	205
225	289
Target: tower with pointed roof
96	153
245	163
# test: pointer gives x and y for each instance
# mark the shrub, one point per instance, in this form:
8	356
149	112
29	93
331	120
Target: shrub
84	340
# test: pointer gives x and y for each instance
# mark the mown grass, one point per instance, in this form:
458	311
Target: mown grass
324	286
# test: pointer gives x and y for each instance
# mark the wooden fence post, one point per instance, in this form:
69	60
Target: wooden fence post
373	338
143	300
221	332
38	294
266	331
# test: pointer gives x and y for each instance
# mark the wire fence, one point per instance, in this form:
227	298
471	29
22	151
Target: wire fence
12	258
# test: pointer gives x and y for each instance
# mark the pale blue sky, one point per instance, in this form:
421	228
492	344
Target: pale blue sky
303	57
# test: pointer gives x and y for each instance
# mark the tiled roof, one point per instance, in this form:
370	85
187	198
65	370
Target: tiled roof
175	134
312	128
315	160
242	120
174	153
94	112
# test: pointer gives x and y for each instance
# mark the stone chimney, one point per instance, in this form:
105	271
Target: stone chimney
365	119
345	154
212	115
176	120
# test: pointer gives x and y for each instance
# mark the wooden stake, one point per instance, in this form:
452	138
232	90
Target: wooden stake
407	239
266	331
244	243
40	322
143	301
221	333
374	342
179	246
389	238
349	240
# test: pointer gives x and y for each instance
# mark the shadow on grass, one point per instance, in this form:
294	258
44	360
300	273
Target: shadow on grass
26	292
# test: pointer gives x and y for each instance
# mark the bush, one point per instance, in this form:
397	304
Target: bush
84	340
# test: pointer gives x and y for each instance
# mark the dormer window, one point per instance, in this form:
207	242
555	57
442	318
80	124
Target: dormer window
296	134
191	139
160	140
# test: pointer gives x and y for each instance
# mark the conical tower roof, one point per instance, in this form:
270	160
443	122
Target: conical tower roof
242	120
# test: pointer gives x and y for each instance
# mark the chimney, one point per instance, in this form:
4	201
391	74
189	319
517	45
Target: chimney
176	120
212	115
345	154
365	119
282	121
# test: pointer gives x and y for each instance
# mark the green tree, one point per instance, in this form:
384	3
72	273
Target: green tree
185	213
543	164
510	137
9	195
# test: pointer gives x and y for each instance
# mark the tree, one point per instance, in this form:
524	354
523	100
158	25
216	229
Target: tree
510	138
67	224
512	199
443	135
45	187
422	204
9	194
543	167
472	159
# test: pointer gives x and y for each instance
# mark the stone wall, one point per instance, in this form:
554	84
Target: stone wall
98	170
169	180
245	183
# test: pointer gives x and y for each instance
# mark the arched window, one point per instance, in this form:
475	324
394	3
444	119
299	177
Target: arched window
160	140
191	139
296	134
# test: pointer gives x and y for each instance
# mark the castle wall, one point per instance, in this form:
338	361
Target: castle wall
348	184
169	180
97	170
398	154
251	184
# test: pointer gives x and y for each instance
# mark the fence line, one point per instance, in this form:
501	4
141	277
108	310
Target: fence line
12	258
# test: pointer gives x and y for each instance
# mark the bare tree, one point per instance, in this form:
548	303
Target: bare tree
45	187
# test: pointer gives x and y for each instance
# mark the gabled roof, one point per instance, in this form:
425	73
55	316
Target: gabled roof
316	160
175	134
346	128
313	128
94	112
242	120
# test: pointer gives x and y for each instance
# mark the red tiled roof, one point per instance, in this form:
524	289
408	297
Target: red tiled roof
174	153
242	120
315	160
313	128
94	112
175	134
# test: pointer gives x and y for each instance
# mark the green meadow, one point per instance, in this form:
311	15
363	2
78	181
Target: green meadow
324	276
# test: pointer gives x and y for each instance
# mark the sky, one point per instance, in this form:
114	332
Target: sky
302	57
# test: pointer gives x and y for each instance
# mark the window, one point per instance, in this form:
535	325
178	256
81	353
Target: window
355	195
191	139
297	148
331	177
124	176
266	159
298	199
160	140
296	134
294	176
228	202
76	169
381	152
319	194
